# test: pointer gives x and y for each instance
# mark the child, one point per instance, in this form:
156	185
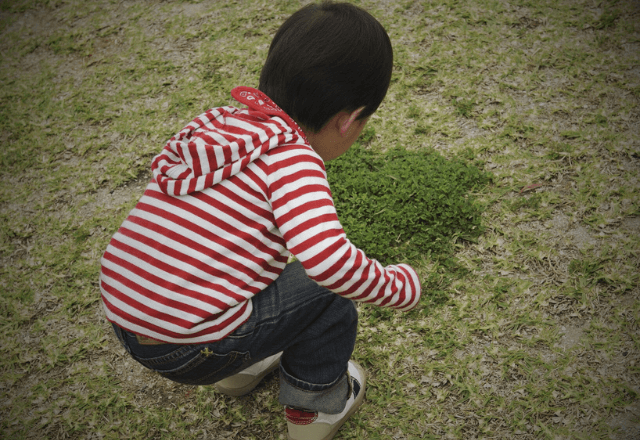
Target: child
196	281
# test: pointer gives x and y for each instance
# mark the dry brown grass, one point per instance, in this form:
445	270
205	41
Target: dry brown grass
538	341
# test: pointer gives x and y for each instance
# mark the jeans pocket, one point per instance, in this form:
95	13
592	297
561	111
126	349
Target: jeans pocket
196	365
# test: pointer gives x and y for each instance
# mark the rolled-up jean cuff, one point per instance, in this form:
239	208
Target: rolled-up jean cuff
330	399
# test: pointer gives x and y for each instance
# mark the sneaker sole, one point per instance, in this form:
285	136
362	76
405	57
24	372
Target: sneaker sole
241	391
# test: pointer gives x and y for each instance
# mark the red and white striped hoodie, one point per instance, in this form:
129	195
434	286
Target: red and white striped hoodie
233	194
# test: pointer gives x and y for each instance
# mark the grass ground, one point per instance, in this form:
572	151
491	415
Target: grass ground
538	340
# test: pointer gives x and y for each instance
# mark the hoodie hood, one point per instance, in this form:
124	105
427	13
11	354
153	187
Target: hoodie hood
221	142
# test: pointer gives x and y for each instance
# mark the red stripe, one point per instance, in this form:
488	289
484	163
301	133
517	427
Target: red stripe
402	293
372	285
249	189
415	288
303	179
180	152
179	273
176	187
164	157
162	183
335	268
307	225
294	155
226	172
393	288
408	279
226	153
210	151
209	139
193	148
302	209
241	150
321	256
210	218
257	229
303	152
311	241
392	294
183	175
232	194
244	161
143	309
152	296
172	287
213	254
359	283
208	181
193	183
218	205
284	128
163	331
262	191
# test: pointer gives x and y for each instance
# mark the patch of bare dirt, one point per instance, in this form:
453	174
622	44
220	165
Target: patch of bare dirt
626	423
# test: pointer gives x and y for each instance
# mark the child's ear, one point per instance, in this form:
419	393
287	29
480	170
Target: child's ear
344	128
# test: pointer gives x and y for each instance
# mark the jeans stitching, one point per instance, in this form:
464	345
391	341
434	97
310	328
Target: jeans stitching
203	380
176	355
183	368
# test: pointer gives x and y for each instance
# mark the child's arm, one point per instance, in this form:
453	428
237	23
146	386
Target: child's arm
306	216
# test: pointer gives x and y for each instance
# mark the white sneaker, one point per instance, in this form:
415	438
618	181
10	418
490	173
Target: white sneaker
246	380
305	425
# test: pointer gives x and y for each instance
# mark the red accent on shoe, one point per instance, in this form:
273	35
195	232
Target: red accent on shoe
298	417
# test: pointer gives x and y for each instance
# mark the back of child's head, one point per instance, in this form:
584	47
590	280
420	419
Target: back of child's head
327	58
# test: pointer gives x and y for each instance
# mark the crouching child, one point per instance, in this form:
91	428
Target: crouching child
196	281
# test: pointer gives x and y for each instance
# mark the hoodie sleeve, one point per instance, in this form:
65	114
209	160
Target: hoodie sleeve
306	216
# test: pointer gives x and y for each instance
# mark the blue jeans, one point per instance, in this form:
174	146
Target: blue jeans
313	327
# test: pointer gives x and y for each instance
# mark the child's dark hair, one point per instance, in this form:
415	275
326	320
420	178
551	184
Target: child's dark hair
326	58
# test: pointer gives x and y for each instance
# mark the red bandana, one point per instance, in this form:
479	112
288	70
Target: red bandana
256	100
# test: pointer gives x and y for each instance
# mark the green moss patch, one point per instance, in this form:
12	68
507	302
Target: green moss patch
404	205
